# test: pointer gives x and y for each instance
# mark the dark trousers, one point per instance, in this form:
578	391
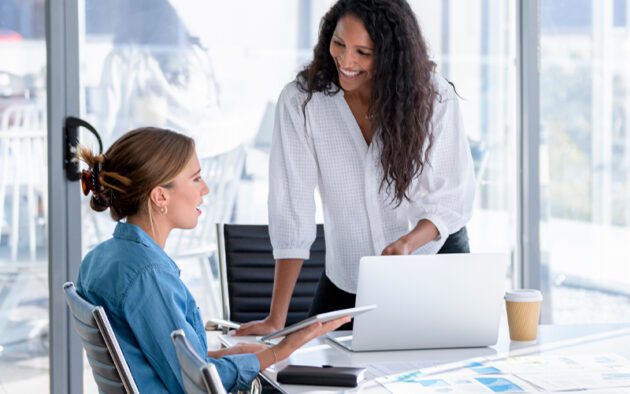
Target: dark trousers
329	297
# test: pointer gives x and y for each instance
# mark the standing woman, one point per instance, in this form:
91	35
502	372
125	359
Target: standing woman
373	127
150	181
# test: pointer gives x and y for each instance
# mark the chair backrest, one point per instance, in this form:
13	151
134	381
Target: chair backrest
23	178
247	272
222	173
109	367
24	116
479	153
199	377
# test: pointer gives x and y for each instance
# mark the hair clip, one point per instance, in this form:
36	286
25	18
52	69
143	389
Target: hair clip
90	180
87	182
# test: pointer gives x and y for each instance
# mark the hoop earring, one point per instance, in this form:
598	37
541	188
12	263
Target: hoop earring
163	210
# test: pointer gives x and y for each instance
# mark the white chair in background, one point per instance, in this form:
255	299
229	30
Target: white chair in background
222	173
23	213
479	153
23	177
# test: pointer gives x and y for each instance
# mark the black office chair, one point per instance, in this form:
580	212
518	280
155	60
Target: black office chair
198	376
110	370
247	271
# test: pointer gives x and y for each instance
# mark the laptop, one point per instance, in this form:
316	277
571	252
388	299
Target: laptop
427	302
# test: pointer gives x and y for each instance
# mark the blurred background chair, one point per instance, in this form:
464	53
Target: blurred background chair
23	222
23	179
199	377
222	173
479	153
247	271
109	367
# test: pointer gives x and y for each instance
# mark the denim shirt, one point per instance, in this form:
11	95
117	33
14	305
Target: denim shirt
145	300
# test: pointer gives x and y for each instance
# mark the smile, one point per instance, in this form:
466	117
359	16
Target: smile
349	73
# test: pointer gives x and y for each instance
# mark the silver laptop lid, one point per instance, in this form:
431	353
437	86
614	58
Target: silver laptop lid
429	301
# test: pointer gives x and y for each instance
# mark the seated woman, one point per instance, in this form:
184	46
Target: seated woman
151	178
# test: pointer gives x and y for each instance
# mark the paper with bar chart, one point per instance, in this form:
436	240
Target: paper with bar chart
533	373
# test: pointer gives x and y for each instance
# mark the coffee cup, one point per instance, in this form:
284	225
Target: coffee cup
523	312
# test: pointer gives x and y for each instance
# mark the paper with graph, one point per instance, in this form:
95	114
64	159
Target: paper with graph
534	373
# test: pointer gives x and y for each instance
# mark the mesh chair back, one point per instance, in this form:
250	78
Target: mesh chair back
109	367
247	273
198	376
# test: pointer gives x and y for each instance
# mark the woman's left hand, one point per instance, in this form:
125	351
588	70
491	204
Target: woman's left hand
398	247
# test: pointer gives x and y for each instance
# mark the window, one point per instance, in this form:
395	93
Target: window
473	43
215	72
24	296
585	182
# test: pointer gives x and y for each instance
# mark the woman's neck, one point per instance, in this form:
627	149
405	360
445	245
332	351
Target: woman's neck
158	232
361	95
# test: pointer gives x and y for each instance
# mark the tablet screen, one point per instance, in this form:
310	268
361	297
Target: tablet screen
322	318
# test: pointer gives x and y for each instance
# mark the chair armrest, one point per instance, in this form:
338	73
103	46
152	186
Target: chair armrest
220	324
210	326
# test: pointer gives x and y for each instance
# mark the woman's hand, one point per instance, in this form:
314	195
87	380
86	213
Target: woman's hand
239	348
424	232
295	340
398	247
258	327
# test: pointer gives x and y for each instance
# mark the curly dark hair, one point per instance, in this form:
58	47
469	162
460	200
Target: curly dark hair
401	102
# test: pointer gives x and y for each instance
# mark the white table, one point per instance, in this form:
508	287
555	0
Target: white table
552	339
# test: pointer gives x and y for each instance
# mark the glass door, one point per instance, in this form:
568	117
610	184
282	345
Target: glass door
24	296
585	160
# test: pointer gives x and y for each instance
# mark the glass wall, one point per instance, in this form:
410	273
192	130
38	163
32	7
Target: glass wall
585	160
23	199
474	44
214	72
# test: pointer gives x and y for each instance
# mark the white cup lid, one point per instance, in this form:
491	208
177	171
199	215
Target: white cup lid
523	295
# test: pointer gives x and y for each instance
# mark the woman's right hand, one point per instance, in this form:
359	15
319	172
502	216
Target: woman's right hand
258	327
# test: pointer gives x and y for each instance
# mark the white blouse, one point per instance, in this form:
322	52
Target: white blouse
329	151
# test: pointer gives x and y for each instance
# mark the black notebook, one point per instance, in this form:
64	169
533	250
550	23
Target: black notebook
321	376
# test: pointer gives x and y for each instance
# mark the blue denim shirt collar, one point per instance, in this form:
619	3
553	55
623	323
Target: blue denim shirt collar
131	232
134	233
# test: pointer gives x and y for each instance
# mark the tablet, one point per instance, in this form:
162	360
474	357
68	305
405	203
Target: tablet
322	318
213	323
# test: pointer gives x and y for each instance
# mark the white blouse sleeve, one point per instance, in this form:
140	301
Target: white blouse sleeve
292	180
446	190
